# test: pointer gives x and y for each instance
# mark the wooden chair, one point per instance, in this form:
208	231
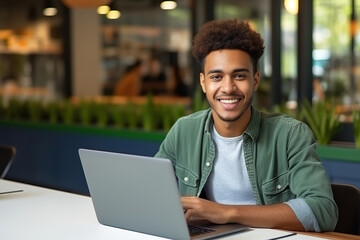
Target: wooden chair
347	197
7	154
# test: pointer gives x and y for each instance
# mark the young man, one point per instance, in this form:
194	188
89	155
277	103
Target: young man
235	163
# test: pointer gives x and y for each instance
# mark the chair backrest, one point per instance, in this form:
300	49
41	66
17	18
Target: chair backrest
347	197
7	154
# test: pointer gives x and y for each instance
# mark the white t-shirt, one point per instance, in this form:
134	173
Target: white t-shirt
229	182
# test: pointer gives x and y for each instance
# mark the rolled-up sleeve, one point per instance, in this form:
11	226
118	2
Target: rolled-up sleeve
304	214
308	179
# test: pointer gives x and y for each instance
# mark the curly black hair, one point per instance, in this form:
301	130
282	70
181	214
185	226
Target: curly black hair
227	34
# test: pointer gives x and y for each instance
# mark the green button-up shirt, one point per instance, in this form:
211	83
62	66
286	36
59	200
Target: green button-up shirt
280	156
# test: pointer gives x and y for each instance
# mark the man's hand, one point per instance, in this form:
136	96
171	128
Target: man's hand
198	207
270	216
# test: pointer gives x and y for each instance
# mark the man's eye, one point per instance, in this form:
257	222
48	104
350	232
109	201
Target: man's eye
240	76
215	77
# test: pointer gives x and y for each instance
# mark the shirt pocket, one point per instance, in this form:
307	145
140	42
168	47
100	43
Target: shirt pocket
277	190
187	181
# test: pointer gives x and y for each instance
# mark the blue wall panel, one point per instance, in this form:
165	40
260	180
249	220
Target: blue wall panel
50	158
343	172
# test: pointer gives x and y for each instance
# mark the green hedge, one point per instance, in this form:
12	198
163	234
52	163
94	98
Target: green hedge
148	116
321	116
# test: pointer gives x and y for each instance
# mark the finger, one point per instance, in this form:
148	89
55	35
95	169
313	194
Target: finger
187	202
189	214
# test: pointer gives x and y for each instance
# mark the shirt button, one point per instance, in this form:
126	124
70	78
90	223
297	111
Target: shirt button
278	186
208	164
186	179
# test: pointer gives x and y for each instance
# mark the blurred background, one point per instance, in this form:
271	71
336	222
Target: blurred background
78	49
116	74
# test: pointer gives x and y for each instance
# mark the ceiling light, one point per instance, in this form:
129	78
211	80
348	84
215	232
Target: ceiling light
113	14
103	9
50	8
292	6
168	5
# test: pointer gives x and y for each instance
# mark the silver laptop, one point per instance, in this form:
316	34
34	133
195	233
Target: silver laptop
140	193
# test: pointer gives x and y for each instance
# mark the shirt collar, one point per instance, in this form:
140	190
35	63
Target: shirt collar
209	121
253	128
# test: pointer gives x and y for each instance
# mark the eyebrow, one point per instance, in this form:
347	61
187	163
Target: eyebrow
234	71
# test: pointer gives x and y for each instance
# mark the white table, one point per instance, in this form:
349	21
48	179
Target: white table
41	213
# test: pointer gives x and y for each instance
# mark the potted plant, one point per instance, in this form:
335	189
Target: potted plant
322	120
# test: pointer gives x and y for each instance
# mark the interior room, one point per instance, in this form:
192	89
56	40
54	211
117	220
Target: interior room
116	75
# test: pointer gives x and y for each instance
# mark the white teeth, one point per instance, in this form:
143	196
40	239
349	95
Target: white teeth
228	101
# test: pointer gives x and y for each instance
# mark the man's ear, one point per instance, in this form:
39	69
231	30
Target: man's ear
256	80
202	82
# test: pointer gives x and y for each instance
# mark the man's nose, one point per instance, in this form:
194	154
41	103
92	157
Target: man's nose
228	84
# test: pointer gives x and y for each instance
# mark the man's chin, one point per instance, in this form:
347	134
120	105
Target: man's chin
229	118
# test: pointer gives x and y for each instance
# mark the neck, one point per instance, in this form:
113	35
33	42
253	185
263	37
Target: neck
233	128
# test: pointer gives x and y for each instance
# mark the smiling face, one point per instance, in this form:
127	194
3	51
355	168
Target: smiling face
229	83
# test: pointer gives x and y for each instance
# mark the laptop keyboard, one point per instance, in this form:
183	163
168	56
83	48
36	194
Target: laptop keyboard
197	230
